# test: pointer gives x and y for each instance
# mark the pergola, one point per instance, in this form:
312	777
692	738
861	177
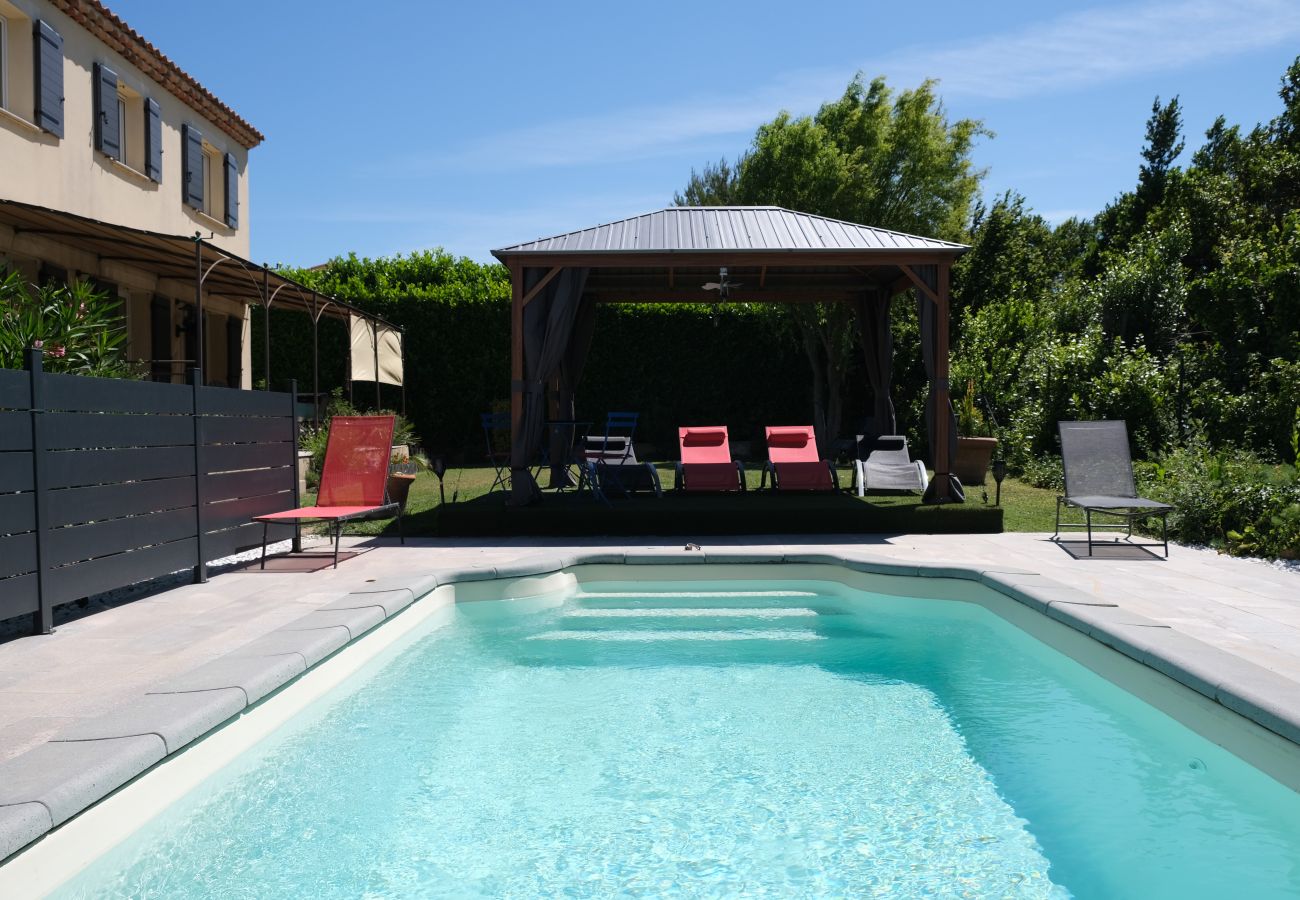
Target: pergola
195	266
772	255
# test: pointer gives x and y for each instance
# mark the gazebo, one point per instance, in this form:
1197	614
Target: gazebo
771	255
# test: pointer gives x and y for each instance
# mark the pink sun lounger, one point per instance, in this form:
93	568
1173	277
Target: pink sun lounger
793	461
353	478
706	460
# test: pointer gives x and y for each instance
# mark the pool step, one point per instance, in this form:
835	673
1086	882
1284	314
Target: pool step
647	600
657	612
649	635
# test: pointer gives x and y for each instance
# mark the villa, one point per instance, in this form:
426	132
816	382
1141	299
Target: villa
97	123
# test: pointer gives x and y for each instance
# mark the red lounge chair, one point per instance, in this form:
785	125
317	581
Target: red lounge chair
353	480
793	461
706	460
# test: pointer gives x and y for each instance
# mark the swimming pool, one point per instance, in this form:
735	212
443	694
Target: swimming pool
710	737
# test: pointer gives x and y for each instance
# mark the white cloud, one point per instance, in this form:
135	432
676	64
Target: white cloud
1070	52
1101	45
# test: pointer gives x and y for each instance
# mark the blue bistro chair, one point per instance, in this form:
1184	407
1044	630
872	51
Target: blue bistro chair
496	424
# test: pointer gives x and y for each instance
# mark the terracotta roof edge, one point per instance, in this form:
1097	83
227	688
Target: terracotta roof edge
105	25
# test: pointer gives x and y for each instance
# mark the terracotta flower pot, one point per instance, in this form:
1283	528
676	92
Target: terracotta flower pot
399	486
973	457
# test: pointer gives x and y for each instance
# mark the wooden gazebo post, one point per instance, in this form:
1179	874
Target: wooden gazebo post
516	356
942	391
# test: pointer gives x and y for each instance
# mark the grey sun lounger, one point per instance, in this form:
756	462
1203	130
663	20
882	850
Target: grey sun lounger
1099	479
885	464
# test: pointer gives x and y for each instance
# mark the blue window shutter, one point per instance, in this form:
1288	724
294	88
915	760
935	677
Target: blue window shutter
232	192
192	166
153	140
49	78
107	137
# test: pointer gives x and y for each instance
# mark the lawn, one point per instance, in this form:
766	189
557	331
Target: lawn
1024	508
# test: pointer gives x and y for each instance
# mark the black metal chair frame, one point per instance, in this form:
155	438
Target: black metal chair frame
577	429
768	466
1129	514
1127	525
379	512
497	423
679	476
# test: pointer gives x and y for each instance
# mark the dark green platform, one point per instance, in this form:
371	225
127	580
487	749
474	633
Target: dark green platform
750	513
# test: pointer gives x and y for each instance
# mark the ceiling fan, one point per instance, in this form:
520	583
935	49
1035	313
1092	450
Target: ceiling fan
722	285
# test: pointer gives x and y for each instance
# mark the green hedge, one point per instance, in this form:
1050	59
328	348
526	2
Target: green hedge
673	364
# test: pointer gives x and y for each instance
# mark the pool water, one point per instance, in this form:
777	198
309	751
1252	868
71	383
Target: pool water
719	739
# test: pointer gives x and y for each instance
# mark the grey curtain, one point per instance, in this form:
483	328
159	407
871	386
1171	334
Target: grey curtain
548	327
927	312
566	385
878	350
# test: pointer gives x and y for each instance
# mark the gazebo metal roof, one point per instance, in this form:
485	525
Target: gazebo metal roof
766	229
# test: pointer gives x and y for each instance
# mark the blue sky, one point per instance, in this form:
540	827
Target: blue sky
396	126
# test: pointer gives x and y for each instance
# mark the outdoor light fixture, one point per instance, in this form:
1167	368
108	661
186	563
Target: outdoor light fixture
439	466
999	472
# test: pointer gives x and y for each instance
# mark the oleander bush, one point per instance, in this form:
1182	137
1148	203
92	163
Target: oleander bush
78	328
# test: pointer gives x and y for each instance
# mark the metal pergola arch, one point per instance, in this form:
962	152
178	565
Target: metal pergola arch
189	258
779	255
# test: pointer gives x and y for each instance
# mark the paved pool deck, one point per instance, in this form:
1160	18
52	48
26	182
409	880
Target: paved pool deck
1220	622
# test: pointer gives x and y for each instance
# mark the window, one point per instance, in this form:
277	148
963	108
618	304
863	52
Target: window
123	133
209	184
23	76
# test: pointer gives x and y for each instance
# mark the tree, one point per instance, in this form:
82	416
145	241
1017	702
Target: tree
715	186
892	161
1127	216
1163	145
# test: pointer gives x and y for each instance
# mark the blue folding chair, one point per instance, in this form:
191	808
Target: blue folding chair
496	424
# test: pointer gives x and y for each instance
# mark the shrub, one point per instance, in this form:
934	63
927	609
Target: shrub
1231	501
315	439
79	328
1044	472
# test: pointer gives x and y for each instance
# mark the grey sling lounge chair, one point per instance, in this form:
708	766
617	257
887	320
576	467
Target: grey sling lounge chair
1099	479
884	463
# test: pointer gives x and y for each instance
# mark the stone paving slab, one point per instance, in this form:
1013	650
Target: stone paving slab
357	620
310	645
67	776
175	718
391	602
22	823
256	676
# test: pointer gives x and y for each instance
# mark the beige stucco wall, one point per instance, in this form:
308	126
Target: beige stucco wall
69	174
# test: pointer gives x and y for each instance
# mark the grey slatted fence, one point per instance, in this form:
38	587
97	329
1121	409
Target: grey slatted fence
106	482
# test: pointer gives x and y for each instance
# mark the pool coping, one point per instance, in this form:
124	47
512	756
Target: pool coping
53	782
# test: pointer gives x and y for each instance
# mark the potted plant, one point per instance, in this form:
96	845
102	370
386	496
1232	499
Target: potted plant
973	452
402	475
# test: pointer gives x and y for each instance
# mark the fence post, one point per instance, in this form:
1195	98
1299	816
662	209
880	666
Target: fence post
43	618
293	450
201	561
